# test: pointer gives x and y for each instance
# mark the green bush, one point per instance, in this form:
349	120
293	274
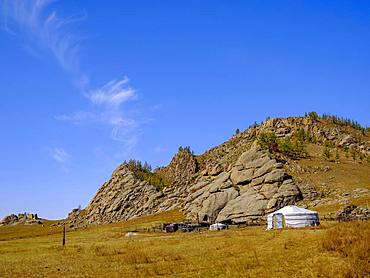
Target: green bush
268	141
337	156
292	147
143	171
326	153
313	116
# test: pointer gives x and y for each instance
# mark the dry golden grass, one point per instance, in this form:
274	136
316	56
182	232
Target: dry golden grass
103	251
27	231
352	241
345	176
333	208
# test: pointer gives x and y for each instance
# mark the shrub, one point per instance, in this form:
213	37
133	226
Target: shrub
344	122
302	136
293	148
186	149
354	153
143	171
313	116
326	153
337	156
268	141
328	150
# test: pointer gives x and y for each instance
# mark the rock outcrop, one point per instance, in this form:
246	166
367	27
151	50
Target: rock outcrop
181	173
319	132
21	218
123	197
235	182
353	212
255	185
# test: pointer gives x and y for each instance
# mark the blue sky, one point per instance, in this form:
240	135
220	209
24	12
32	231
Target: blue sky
85	85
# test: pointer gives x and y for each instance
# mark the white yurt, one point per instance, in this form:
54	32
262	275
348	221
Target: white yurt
217	227
292	217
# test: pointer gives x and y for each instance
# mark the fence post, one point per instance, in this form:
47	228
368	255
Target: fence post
64	235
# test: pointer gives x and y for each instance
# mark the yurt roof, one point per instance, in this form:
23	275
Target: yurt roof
293	210
218	225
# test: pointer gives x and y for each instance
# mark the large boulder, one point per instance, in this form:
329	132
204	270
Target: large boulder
242	176
248	207
208	197
256	184
214	203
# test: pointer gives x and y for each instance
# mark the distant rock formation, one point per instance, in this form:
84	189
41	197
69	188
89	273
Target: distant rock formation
352	212
21	218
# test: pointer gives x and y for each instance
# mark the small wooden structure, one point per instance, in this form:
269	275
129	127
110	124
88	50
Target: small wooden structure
183	227
170	228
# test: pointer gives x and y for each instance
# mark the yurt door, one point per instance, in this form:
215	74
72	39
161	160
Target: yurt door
278	221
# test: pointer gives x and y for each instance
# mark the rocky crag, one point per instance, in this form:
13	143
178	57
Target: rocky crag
352	212
21	218
238	181
254	185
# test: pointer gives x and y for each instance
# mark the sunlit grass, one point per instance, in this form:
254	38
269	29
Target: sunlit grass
103	251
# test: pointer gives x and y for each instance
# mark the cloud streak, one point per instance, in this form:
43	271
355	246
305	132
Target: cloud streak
59	155
108	101
35	20
112	94
40	24
106	108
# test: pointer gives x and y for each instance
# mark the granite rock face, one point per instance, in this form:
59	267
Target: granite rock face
255	185
123	197
208	197
181	173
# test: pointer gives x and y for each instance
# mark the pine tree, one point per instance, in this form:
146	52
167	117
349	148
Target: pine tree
313	116
354	154
327	152
337	154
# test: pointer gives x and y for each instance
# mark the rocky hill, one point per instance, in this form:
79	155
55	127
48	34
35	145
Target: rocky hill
282	161
21	218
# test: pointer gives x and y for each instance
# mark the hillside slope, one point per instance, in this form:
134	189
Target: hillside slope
314	161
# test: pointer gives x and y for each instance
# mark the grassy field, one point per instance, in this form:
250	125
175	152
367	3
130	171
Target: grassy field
331	250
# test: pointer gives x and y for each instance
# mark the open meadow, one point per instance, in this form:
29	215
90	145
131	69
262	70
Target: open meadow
330	250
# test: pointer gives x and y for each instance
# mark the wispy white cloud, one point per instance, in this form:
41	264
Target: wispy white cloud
106	108
35	21
59	155
41	25
112	94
